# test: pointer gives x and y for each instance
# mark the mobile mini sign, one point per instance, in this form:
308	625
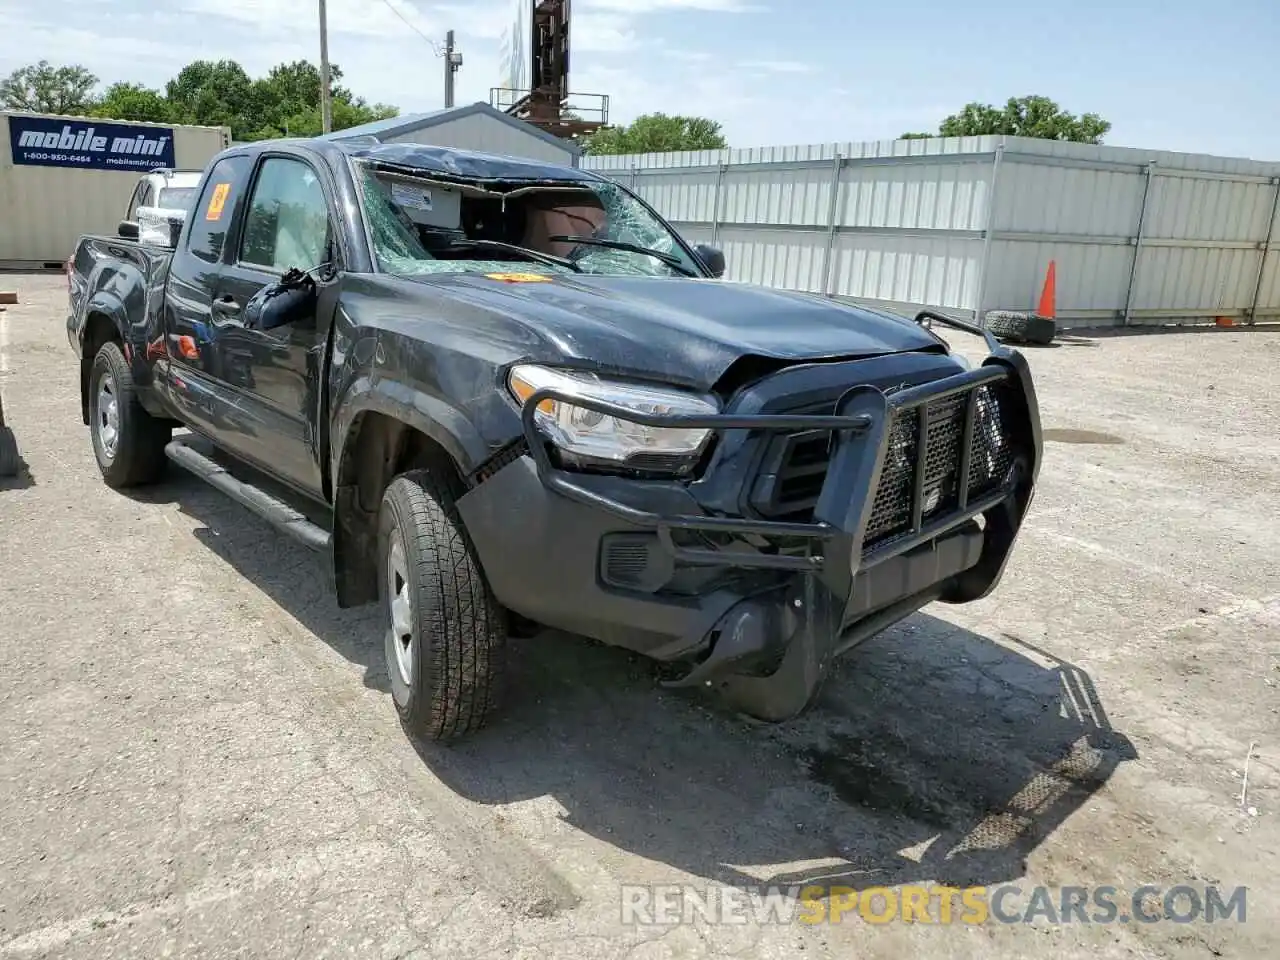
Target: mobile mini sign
88	144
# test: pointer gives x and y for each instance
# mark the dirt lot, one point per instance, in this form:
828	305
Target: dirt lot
198	756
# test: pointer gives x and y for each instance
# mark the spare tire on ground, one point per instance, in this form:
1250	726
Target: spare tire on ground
1021	327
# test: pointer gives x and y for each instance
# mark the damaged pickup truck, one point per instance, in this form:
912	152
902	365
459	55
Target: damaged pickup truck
502	394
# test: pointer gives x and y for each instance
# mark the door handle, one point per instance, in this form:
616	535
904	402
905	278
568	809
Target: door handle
225	310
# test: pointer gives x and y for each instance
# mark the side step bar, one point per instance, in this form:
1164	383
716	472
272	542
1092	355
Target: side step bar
278	513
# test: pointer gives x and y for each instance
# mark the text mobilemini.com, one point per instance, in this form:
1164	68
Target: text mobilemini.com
675	904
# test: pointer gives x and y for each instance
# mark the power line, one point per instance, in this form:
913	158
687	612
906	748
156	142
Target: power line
435	44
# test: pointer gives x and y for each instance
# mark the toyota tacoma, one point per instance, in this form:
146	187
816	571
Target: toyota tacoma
502	394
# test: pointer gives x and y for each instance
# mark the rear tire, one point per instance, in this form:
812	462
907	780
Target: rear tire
446	635
1021	327
128	442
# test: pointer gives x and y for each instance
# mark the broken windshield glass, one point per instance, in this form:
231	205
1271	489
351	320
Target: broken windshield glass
421	225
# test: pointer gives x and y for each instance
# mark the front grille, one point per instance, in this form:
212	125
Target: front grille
992	454
803	464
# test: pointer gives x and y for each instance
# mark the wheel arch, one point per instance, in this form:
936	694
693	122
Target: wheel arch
378	446
100	327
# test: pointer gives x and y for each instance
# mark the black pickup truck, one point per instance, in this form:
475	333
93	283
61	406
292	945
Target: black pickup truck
503	394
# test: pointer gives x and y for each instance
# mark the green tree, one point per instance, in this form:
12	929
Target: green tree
132	101
41	88
345	114
657	133
213	94
287	103
1030	116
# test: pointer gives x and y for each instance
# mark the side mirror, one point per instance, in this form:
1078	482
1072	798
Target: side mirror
128	229
291	299
713	257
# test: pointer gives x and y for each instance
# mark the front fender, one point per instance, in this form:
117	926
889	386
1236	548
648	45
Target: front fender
359	391
442	422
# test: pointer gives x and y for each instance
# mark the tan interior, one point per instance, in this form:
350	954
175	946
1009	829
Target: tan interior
560	220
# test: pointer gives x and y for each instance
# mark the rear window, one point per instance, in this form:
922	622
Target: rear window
176	198
214	211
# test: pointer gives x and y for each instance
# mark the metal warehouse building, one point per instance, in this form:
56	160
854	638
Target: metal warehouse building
476	126
61	177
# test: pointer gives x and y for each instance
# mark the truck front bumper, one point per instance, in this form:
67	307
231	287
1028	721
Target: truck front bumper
699	573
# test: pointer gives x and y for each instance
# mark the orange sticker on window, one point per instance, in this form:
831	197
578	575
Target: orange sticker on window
519	277
218	201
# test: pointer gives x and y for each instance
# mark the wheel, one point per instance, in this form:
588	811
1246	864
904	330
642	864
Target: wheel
446	635
1021	327
127	441
10	462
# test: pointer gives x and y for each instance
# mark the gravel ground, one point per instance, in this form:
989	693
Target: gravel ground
199	758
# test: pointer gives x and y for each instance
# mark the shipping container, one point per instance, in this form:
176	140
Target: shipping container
61	177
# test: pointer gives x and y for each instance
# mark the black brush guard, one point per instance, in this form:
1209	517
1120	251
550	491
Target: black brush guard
833	539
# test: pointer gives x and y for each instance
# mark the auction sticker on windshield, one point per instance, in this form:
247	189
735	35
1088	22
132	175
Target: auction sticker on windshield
519	277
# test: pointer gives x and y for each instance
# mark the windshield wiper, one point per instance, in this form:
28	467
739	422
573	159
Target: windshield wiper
675	263
549	258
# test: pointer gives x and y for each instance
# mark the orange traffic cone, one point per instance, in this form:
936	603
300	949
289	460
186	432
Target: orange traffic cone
1048	296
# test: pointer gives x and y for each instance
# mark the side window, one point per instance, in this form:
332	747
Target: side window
287	223
214	211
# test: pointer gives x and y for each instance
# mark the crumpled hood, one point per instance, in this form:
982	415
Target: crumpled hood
684	329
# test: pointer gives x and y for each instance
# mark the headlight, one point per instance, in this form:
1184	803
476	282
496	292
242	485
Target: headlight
587	435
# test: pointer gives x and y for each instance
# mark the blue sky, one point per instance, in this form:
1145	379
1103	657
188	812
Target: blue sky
1173	75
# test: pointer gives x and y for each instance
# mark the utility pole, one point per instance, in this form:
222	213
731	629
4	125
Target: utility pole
326	112
452	61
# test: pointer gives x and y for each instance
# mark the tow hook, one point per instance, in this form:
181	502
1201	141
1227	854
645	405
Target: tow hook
793	634
753	630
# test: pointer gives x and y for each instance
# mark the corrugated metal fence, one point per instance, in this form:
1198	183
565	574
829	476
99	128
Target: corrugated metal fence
970	224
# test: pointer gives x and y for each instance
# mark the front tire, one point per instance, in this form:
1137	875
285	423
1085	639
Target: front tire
446	634
128	442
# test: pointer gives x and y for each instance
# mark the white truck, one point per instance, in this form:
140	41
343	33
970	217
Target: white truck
159	205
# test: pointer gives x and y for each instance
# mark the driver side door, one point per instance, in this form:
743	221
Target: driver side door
273	375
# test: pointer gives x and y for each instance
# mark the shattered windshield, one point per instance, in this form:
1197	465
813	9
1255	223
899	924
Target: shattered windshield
419	225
